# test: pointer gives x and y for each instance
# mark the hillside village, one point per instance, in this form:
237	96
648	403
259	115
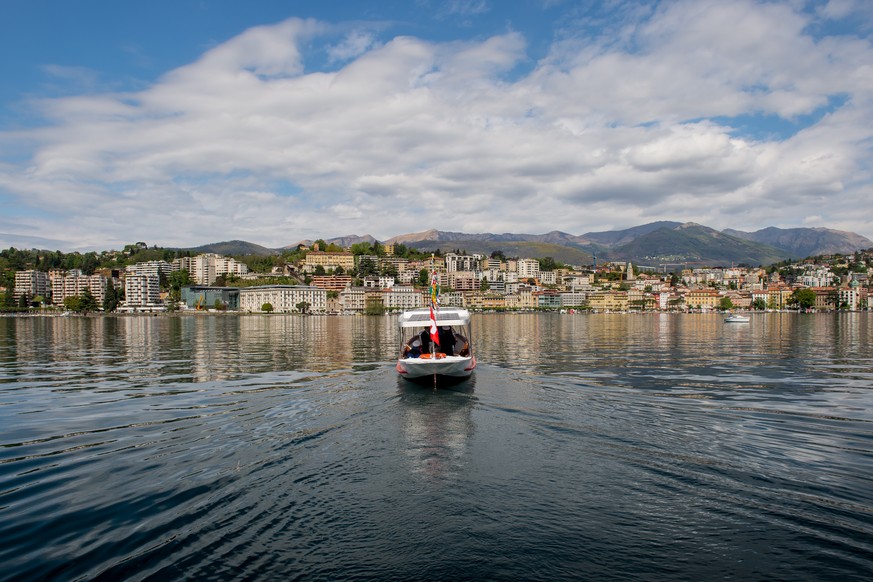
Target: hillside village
375	278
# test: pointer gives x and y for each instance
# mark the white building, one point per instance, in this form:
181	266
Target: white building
142	293
528	269
462	262
283	298
74	283
402	298
204	269
32	284
152	268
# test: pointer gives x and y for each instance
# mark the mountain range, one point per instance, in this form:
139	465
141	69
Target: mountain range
655	244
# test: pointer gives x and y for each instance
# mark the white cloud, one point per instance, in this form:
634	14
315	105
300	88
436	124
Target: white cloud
247	143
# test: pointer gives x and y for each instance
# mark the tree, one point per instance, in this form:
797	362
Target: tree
423	278
484	285
726	304
73	303
319	271
805	298
111	298
759	304
367	267
89	302
219	305
176	280
303	306
267	308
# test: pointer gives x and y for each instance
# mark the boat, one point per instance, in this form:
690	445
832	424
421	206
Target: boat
436	343
736	318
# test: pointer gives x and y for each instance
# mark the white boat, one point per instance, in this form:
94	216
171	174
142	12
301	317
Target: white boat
734	318
450	357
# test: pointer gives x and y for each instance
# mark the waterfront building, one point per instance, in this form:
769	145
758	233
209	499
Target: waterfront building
547	299
850	296
484	300
74	283
204	269
703	298
353	299
573	299
608	301
777	296
31	284
205	297
142	293
283	298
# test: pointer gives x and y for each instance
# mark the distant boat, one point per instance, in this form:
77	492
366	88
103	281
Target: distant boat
734	318
450	356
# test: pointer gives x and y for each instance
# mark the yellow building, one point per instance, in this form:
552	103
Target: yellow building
608	300
328	261
703	298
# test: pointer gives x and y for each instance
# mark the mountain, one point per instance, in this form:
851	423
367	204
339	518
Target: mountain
655	243
233	247
612	238
806	242
342	241
695	244
554	237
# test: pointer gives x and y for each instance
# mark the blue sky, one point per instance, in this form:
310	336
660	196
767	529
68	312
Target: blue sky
187	122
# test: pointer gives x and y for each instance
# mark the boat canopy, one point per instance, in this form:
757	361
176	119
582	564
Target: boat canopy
444	316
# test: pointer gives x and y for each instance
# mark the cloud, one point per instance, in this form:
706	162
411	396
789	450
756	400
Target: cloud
405	134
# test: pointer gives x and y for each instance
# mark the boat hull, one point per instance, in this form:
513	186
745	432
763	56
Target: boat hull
449	366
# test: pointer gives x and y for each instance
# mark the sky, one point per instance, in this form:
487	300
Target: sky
185	122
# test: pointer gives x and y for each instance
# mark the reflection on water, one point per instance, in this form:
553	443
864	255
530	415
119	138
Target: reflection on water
437	425
615	446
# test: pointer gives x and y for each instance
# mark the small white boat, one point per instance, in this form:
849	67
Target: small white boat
735	318
451	356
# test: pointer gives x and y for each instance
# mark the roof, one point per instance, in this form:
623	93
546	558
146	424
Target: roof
444	316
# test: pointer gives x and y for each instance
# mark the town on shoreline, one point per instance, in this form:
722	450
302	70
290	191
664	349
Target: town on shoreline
371	278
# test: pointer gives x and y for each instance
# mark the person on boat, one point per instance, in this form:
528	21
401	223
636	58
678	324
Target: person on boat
447	340
460	340
424	338
412	348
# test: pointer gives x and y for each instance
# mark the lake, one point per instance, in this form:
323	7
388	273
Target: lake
608	447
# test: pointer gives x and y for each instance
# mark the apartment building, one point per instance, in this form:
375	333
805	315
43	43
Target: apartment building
204	269
331	282
456	262
31	284
402	298
142	293
73	284
328	261
528	268
283	298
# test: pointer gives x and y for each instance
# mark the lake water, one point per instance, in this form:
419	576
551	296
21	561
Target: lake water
608	447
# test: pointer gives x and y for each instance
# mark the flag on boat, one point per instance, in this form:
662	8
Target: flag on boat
434	332
434	304
434	290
